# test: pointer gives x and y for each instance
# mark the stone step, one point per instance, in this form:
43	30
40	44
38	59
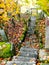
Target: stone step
25	59
32	42
27	49
24	54
20	63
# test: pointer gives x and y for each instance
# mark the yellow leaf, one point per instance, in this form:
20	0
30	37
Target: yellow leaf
2	5
8	1
5	16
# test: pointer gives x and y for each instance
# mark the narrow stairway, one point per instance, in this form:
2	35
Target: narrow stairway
28	54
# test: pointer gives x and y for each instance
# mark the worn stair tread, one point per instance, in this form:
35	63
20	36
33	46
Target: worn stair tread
20	63
28	48
25	59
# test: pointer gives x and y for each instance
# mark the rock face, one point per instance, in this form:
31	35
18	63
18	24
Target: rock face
2	35
47	34
47	38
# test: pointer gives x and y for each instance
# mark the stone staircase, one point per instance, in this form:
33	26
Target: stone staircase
27	54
